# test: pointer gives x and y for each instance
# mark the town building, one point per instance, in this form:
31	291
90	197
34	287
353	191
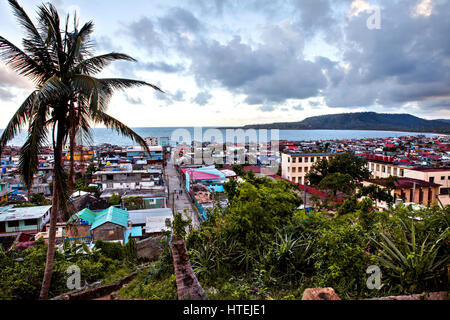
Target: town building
28	219
128	179
295	166
409	190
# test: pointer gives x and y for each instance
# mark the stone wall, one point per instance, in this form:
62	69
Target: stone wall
97	292
188	286
150	248
330	294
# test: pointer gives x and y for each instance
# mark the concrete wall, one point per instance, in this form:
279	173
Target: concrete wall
296	168
109	232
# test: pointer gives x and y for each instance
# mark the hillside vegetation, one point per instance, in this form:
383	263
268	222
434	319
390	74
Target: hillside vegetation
362	121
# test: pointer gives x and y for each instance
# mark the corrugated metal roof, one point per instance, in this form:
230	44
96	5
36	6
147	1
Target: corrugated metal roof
134	232
17	214
140	216
85	214
113	215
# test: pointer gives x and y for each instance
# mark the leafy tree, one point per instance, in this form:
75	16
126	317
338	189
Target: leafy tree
376	193
348	206
231	189
238	169
115	199
66	100
345	163
90	170
179	225
38	199
338	182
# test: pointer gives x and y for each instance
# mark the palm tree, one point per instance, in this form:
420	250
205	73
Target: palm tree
62	66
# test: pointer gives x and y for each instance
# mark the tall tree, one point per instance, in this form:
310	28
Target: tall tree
62	66
345	163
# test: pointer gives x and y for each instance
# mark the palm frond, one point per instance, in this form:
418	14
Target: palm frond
19	119
112	123
49	20
20	62
52	90
96	64
37	135
121	84
34	44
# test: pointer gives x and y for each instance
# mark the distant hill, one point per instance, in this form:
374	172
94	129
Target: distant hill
362	121
443	120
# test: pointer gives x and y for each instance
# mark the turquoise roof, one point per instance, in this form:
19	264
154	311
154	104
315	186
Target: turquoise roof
113	215
85	214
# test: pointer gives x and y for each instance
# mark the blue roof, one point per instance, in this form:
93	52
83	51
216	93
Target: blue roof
134	232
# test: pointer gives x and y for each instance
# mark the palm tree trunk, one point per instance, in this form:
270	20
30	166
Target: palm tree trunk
57	152
72	147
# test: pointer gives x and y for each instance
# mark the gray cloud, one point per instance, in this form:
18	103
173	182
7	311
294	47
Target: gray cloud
267	108
144	34
298	107
272	72
133	100
162	67
6	95
170	98
405	61
179	20
202	98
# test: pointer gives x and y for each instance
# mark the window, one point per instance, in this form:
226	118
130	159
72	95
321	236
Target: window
312	159
443	178
13	224
300	169
293	170
402	172
289	159
306	169
31	222
300	160
306	159
384	169
431	179
294	160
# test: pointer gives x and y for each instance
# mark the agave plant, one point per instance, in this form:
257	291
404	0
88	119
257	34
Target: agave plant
66	101
410	263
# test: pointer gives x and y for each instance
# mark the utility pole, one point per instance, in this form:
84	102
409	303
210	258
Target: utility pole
304	202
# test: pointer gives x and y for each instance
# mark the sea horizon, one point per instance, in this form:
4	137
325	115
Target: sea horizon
103	135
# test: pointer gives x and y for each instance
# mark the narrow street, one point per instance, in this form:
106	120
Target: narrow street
183	202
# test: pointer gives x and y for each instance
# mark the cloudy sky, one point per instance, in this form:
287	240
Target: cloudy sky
230	62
